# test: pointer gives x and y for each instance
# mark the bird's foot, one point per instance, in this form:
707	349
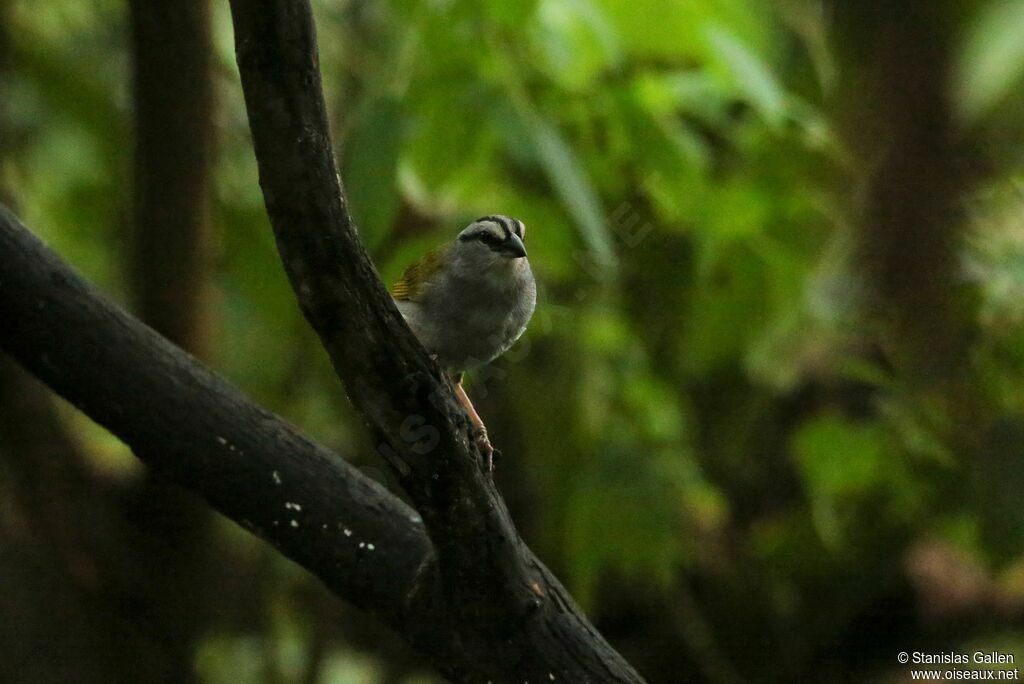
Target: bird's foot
487	450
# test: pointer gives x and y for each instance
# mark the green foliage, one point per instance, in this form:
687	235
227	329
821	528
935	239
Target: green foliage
992	63
850	470
371	168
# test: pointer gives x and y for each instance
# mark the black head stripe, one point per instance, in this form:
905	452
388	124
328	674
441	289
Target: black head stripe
485	234
492	218
502	221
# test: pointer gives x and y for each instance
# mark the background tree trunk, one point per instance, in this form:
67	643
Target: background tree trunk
173	95
171	268
126	570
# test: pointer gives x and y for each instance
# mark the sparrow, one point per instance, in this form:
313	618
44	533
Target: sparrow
468	301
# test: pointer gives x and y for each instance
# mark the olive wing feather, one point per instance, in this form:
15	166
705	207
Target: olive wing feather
412	283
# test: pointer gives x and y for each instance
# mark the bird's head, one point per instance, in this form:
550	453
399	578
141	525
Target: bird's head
490	247
493	238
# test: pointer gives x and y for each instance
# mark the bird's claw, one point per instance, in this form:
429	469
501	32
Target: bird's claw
487	450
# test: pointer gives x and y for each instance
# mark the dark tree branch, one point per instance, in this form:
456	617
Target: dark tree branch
508	617
193	427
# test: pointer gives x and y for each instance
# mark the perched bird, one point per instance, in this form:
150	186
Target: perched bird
468	301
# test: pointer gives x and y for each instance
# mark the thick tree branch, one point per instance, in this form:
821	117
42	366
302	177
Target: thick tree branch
190	425
509	617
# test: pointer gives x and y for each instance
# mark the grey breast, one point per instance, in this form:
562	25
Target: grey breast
474	317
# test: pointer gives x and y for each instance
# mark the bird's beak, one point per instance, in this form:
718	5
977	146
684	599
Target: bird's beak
513	247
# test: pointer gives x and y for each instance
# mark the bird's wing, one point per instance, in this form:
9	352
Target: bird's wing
410	286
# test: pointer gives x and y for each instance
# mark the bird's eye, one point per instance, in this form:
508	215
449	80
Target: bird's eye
489	239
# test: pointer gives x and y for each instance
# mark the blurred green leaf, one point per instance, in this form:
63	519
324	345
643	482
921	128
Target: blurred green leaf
750	75
452	141
845	465
992	60
575	40
622	521
370	168
570	182
838	457
673	35
728	304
